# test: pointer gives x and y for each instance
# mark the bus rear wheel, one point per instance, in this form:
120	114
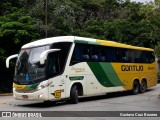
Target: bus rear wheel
143	86
135	89
74	95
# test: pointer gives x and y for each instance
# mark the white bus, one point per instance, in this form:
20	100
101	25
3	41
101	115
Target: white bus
68	67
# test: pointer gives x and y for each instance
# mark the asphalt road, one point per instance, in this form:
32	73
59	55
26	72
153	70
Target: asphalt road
121	101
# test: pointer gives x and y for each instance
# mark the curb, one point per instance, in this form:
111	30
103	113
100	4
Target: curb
6	94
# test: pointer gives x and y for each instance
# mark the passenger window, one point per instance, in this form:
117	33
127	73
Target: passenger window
94	53
150	57
111	54
85	53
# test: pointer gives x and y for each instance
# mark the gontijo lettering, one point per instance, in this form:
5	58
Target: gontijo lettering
132	68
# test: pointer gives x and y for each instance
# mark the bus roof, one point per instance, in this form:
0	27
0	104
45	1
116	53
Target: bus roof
51	40
116	44
84	40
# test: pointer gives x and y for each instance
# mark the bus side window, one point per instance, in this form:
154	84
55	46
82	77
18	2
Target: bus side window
85	53
111	54
143	57
94	53
136	55
121	55
130	55
102	54
76	56
150	57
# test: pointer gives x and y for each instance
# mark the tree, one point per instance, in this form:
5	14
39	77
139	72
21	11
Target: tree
16	29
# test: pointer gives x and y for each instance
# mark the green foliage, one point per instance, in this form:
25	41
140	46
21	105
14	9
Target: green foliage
22	21
157	51
17	28
2	54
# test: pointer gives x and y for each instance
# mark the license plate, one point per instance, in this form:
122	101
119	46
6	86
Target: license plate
25	96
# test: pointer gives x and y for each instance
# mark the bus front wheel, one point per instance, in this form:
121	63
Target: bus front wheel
74	95
135	89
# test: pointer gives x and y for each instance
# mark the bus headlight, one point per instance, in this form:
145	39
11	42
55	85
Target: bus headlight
40	87
14	96
40	96
14	88
44	86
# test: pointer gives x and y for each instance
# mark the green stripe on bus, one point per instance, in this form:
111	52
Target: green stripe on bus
105	74
94	43
76	78
111	74
33	86
86	42
81	41
100	74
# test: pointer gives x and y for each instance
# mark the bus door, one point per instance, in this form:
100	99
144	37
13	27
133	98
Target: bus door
58	89
62	86
55	77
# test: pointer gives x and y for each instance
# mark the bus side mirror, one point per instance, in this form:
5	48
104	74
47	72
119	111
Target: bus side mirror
9	58
44	55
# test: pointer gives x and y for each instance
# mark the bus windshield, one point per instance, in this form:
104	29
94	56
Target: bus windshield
28	68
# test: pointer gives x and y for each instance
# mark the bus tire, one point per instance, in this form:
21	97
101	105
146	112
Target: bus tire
74	95
135	89
143	86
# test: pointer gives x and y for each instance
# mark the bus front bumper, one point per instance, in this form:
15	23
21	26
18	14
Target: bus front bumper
41	95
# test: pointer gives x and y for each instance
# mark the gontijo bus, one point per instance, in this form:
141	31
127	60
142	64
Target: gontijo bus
68	67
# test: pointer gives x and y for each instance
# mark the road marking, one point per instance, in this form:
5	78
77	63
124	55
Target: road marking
1	102
6	94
